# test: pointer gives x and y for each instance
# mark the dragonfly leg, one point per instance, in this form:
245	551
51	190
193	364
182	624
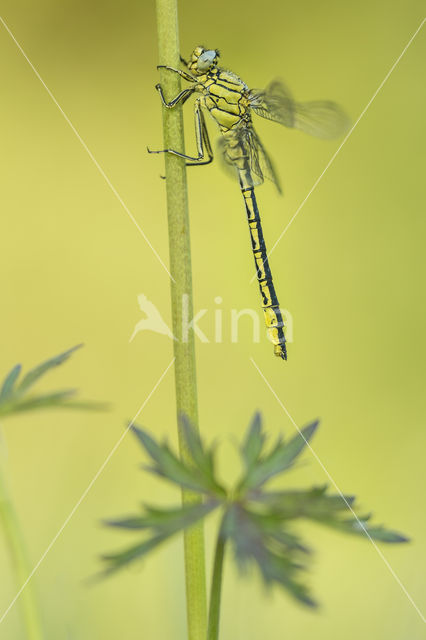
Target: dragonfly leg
203	142
183	74
202	137
182	97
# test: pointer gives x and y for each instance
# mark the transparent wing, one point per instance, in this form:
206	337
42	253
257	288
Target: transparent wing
226	161
319	118
260	162
244	158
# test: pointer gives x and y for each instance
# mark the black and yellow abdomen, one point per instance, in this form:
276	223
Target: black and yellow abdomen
271	307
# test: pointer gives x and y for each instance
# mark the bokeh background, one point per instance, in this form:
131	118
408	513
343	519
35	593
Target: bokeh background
350	269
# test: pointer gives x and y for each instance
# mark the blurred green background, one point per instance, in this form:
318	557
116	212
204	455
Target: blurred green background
350	270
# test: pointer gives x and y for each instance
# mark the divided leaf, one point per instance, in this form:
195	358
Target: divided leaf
203	458
253	444
9	382
257	522
316	505
312	503
279	459
361	527
15	396
163	523
32	376
172	468
116	561
277	562
166	521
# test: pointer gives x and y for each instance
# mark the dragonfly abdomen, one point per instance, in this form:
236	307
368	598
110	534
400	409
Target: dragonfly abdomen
271	307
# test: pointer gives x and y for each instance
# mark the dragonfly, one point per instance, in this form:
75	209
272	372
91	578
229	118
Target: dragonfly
231	103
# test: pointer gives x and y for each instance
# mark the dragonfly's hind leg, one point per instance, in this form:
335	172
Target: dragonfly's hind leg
204	149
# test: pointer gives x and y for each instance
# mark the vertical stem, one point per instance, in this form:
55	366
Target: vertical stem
15	541
216	589
182	307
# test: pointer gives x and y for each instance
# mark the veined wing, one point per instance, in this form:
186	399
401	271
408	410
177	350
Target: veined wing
244	157
320	118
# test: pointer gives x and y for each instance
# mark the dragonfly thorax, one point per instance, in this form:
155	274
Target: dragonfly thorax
226	97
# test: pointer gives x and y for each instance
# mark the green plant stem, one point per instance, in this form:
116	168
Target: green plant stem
15	541
181	294
216	589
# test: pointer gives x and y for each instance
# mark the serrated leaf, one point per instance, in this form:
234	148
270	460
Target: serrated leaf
32	376
256	522
279	459
17	404
163	522
203	459
58	399
295	446
169	466
361	527
167	521
253	544
312	503
315	504
252	446
194	444
9	382
119	560
289	540
14	398
278	532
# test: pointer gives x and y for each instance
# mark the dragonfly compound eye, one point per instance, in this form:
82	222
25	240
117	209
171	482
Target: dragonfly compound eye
206	60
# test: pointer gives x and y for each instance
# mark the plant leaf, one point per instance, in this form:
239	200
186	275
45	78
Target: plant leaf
9	382
361	527
203	459
279	459
310	503
168	465
32	376
164	523
57	399
256	522
253	544
119	560
167	521
315	504
253	444
14	398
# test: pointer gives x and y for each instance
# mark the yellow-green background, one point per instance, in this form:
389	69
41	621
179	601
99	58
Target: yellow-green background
350	269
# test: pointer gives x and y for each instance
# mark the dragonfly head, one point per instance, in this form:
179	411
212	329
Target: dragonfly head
202	60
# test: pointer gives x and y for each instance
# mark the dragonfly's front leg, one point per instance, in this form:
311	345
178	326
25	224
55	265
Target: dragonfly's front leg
182	97
202	137
183	74
205	154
